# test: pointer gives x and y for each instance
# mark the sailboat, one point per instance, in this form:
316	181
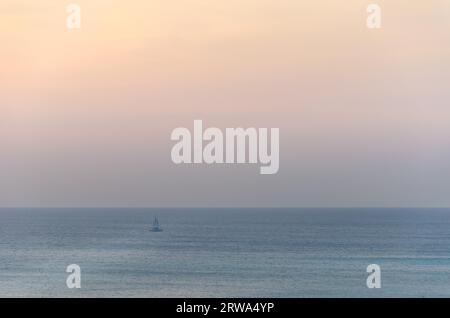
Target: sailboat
156	227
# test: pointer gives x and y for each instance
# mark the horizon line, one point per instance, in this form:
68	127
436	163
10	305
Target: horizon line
225	207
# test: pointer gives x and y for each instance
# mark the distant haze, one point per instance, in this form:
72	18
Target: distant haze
86	115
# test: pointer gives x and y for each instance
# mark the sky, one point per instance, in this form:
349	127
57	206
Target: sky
86	114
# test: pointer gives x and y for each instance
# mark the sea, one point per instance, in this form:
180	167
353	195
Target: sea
221	252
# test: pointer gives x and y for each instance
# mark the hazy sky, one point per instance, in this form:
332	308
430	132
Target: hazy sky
86	115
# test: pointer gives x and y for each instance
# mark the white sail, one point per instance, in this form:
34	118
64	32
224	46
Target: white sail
156	227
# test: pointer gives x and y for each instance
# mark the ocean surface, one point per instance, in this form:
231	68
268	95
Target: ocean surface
225	252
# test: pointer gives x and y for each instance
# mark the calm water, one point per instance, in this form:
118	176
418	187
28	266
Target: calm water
225	252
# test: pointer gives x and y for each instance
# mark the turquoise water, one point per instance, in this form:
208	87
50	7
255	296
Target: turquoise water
225	252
